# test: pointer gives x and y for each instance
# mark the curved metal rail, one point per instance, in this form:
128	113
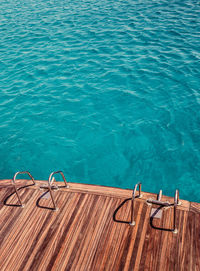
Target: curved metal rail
176	202
13	182
168	204
50	182
132	223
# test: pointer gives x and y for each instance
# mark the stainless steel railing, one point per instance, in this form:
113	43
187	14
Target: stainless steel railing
168	204
50	186
14	183
132	223
157	202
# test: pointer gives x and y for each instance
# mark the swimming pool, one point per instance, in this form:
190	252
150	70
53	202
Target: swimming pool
107	91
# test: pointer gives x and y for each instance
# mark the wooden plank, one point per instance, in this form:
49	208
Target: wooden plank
96	227
106	228
66	241
76	243
195	207
141	232
91	231
41	252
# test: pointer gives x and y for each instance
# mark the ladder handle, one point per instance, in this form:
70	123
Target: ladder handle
135	189
132	223
14	179
23	172
176	202
167	204
176	197
50	182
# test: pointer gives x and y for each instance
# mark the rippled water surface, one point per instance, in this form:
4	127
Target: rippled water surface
107	91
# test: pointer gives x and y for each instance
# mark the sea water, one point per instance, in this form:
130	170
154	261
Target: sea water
107	91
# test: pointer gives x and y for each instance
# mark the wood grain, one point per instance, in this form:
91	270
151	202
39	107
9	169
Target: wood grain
91	231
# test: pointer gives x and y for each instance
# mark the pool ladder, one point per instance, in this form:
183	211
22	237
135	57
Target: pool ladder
157	202
50	185
15	186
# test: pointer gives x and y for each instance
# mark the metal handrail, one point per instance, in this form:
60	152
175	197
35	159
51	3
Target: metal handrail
50	182
132	223
168	204
176	202
13	182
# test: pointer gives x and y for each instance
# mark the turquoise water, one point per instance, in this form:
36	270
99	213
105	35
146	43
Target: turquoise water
107	91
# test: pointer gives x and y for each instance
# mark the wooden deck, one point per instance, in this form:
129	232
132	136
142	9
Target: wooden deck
90	231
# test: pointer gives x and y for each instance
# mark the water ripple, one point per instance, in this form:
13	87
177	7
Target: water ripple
107	91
